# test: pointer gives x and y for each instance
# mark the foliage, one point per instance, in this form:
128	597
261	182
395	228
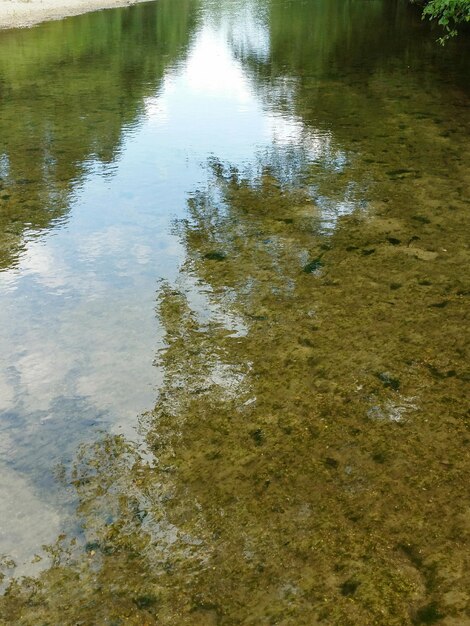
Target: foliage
449	14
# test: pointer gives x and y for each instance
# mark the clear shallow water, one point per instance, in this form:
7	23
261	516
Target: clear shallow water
249	223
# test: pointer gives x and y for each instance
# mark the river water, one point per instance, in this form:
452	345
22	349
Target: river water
234	248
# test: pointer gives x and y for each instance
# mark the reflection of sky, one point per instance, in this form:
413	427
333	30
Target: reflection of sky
78	314
226	116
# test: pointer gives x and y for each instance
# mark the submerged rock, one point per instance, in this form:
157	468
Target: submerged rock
215	255
313	266
388	381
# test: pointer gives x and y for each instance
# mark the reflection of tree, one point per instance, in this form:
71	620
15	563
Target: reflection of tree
342	70
69	91
307	446
389	101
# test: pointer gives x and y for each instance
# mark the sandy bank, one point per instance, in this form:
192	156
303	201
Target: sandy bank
18	13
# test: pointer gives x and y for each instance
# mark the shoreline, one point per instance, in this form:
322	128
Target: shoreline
28	13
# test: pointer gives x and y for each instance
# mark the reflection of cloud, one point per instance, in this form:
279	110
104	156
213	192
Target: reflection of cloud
124	246
43	372
75	363
142	253
49	268
208	309
97	340
156	108
110	361
108	242
26	521
209	72
7	393
211	69
8	281
40	262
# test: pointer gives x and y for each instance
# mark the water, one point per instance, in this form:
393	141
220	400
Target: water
234	351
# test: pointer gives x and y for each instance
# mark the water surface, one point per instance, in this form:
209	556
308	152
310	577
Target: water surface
234	352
